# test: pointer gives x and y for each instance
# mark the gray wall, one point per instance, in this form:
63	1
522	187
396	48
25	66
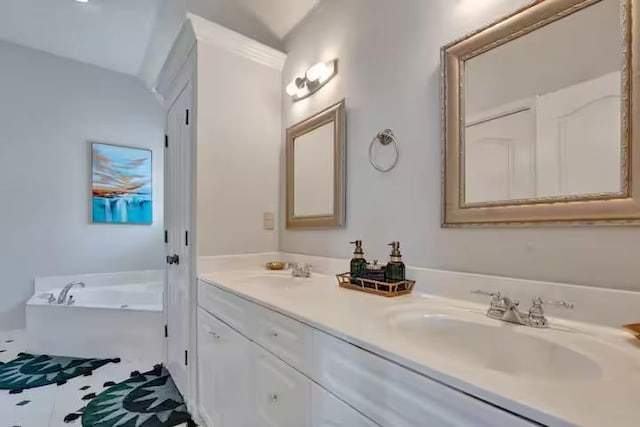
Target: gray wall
389	75
50	108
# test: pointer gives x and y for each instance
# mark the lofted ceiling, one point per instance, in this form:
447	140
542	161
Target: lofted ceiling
281	16
119	34
112	34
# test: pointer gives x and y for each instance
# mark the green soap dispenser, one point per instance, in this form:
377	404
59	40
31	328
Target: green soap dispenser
358	263
395	271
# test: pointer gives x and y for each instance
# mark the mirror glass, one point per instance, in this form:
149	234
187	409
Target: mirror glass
315	160
313	172
542	112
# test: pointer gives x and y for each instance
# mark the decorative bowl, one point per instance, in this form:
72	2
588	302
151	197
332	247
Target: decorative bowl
275	265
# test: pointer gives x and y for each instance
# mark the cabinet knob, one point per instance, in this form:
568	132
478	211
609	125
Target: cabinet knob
274	334
274	398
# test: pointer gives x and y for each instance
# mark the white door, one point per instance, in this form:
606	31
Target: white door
223	374
281	394
177	214
328	411
579	136
499	158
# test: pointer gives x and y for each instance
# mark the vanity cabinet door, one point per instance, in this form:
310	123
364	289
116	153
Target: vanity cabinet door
223	373
281	395
328	411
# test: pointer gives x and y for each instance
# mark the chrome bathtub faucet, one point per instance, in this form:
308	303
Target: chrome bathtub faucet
300	270
505	309
62	298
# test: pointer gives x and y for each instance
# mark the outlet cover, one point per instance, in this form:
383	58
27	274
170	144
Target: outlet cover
268	220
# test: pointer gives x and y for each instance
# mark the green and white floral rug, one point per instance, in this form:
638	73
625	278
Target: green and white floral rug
30	371
149	399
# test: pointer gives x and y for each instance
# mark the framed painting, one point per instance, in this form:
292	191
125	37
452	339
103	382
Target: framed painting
121	184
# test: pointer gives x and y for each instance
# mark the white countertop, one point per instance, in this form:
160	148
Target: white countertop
611	399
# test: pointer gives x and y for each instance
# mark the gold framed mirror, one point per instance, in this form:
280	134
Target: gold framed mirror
315	181
539	118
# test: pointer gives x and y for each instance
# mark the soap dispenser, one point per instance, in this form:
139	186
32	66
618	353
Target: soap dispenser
395	271
358	263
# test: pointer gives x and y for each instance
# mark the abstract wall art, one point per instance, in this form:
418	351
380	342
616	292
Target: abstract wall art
121	184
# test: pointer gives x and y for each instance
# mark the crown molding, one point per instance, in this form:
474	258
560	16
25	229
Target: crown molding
175	61
216	35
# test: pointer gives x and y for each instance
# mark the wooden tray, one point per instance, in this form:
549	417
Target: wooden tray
375	287
633	329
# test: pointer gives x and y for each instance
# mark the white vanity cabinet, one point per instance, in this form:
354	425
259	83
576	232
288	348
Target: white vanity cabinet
224	359
265	369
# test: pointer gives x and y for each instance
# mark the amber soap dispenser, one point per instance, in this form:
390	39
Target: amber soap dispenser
395	271
358	263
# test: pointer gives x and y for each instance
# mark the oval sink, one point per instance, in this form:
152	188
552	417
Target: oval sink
497	346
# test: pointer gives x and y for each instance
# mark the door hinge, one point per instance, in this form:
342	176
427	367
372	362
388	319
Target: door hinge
186	238
166	141
187	118
186	358
166	331
166	236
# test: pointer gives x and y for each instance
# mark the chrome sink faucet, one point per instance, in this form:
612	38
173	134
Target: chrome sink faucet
504	308
300	270
62	298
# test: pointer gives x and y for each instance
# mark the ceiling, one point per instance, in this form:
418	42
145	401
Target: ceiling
117	34
112	34
281	16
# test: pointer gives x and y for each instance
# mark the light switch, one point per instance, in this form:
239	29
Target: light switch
269	221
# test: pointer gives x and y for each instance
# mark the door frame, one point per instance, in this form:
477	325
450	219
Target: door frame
186	76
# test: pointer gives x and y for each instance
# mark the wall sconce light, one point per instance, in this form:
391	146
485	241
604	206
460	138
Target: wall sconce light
315	77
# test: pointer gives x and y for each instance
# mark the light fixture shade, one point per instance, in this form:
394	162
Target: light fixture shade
320	71
314	79
302	92
292	88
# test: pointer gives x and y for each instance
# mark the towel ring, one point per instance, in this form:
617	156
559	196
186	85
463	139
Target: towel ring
384	137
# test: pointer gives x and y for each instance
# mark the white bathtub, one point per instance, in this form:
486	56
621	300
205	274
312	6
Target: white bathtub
106	320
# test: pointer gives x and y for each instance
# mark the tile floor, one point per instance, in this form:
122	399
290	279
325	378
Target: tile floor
47	406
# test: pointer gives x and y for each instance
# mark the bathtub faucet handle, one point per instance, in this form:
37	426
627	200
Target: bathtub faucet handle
49	297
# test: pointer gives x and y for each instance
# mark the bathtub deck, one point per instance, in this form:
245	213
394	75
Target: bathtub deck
47	406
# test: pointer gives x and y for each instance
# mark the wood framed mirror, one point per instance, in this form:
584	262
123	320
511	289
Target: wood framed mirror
539	117
315	169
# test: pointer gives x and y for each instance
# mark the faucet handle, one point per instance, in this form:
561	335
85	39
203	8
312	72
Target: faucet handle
538	302
487	293
537	317
48	296
498	305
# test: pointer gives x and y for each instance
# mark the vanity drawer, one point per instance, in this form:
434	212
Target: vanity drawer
227	307
288	339
393	396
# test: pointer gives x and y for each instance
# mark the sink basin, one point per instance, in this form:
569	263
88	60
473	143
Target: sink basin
474	340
